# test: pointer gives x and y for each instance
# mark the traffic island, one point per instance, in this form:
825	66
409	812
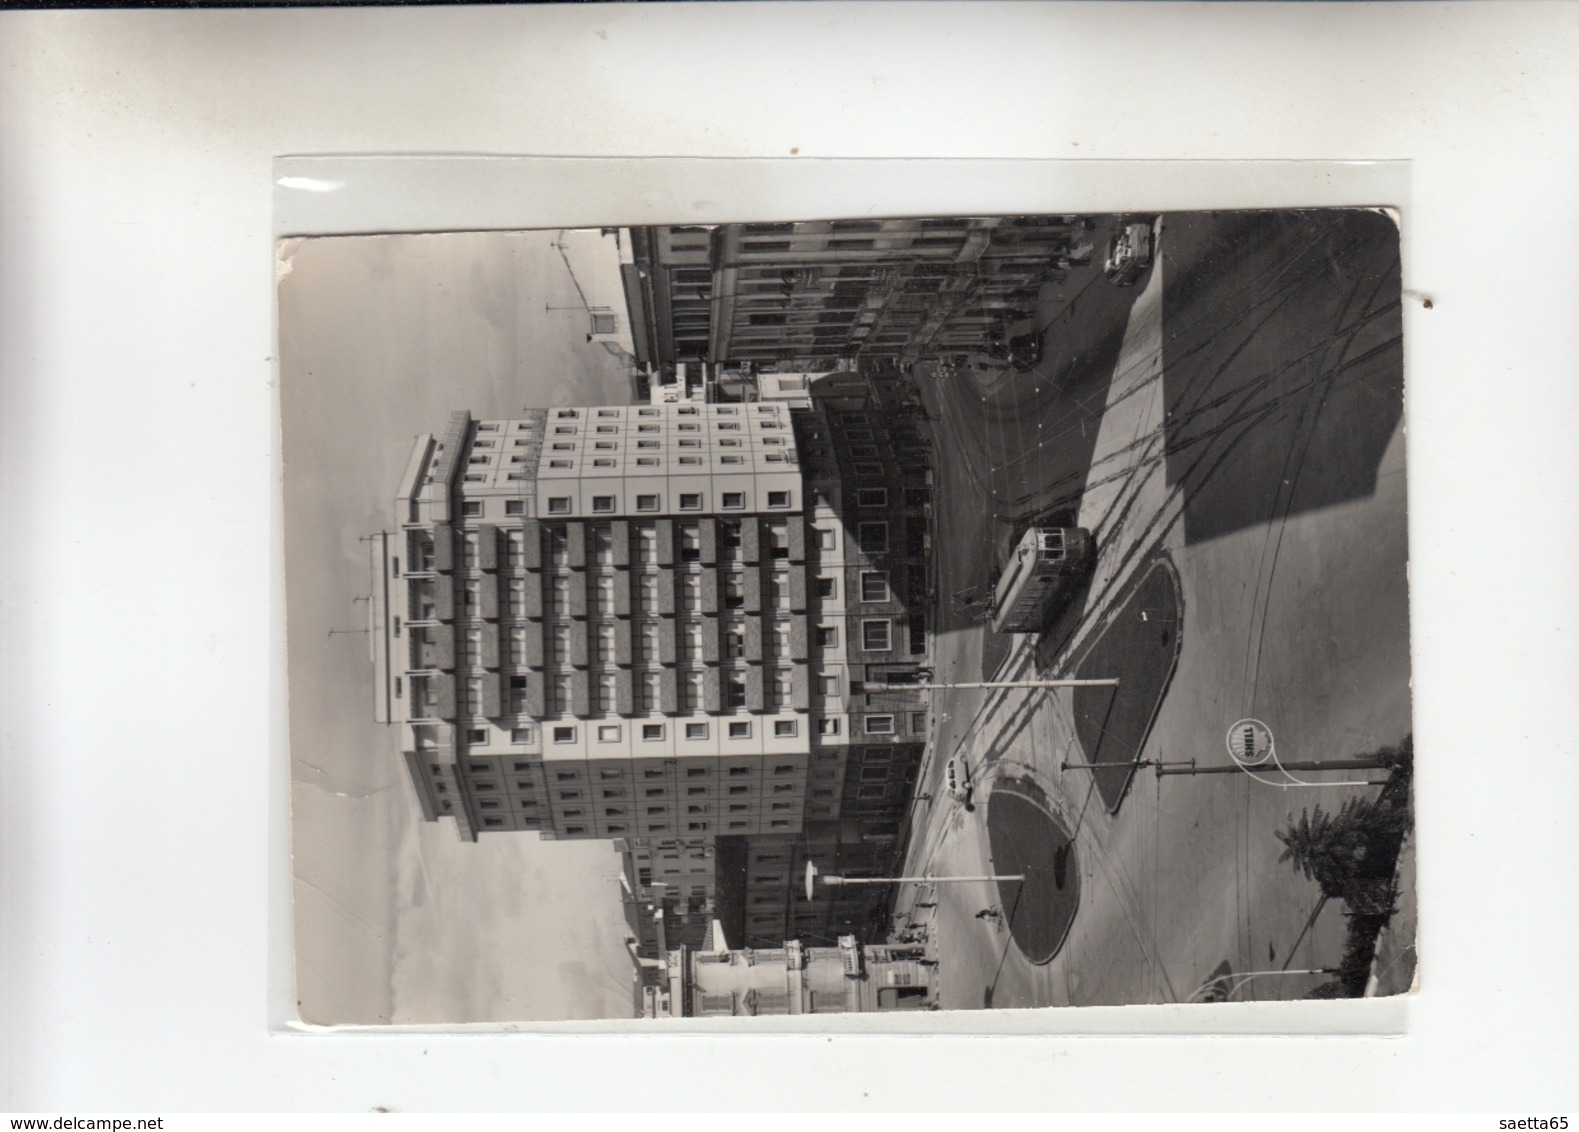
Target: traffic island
1027	840
1140	645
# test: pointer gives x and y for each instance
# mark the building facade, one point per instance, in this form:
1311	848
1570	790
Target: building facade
815	290
791	978
673	625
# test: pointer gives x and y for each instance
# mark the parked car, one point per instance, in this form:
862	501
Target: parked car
958	782
1129	253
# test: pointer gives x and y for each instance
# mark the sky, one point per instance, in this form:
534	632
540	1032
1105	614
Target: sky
397	919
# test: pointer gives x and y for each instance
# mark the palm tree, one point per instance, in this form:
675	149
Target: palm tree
1327	848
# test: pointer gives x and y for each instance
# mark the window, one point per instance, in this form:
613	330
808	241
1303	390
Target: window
647	462
740	729
478	460
477	735
690	501
602	504
520	735
472	508
827	636
734	500
778	499
474	479
918	721
561	463
563	446
697	826
879	725
731	460
646	503
690	542
559	504
827	538
692	694
696	731
739	772
784	729
568	430
564	734
827	587
734	692
827	727
568	414
864	452
602	464
871	497
647	641
876	636
874	538
691	460
607	698
651	732
874	587
828	685
691	593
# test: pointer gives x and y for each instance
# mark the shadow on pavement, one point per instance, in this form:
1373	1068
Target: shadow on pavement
1282	361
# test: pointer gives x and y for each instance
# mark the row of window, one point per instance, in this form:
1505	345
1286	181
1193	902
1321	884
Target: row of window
687	501
651	732
695	730
615	413
640	430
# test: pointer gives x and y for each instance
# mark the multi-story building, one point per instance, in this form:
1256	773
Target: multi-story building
670	887
821	289
788	978
666	624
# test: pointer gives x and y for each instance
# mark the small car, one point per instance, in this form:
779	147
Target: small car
1128	254
956	778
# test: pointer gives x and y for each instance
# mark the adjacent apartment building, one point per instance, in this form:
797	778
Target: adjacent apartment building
788	978
659	623
817	290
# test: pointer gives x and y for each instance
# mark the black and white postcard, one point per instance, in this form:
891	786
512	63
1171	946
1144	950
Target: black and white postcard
847	616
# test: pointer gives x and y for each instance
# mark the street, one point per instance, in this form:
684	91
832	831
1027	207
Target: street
1234	421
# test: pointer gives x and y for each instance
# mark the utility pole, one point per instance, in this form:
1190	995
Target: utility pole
1105	682
1189	767
813	874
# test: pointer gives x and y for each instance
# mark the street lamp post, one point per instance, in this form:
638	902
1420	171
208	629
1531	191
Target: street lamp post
1106	682
813	875
1235	983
